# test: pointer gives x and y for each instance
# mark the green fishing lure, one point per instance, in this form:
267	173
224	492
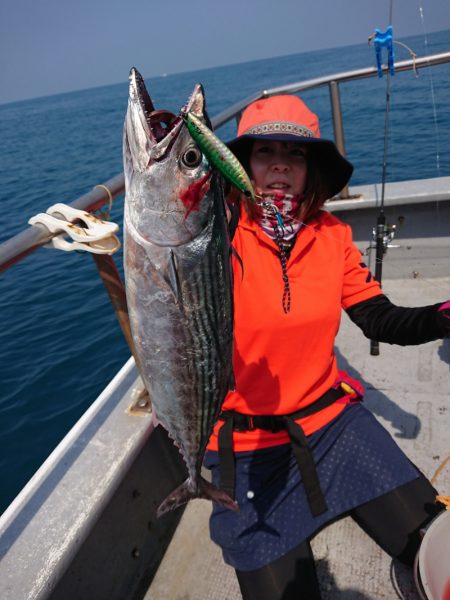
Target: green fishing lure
218	155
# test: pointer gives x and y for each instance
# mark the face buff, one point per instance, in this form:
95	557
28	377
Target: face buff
278	217
279	221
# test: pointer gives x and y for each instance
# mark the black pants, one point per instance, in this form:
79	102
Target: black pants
393	521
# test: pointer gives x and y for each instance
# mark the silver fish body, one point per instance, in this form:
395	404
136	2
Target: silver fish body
178	279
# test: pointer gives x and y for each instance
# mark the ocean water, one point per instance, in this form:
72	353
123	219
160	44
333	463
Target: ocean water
59	341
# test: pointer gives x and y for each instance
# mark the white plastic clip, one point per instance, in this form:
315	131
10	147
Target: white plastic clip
95	227
97	237
108	245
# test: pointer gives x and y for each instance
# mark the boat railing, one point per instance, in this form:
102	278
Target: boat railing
332	81
25	242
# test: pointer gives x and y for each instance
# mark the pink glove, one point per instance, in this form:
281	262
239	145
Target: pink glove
444	309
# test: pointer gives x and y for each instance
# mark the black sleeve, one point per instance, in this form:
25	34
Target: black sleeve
381	320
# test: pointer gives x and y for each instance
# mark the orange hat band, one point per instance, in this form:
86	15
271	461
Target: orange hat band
286	127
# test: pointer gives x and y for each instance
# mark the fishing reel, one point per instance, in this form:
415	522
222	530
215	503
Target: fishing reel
386	233
382	237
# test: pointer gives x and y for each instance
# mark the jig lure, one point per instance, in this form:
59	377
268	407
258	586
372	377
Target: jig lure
219	155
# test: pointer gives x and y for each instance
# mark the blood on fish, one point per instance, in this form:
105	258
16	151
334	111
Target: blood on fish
192	197
446	595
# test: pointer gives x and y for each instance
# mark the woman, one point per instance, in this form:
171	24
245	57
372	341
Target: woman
294	444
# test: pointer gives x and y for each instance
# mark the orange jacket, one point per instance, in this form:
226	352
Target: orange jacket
284	362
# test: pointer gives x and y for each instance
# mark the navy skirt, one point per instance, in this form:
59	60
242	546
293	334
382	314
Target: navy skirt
356	459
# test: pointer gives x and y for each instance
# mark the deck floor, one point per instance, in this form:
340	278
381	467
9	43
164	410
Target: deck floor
408	390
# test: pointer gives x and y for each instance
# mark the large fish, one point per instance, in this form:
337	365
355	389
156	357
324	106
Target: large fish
178	279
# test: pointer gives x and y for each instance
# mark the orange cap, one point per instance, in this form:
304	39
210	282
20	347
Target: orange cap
279	115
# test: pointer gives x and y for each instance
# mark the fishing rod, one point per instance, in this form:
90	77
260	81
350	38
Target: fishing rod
382	40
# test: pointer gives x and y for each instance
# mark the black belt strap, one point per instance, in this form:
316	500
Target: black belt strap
305	461
226	456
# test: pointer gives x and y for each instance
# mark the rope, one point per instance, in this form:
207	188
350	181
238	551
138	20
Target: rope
445	500
439	469
412	54
106	214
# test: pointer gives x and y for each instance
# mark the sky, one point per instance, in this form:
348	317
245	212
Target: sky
54	46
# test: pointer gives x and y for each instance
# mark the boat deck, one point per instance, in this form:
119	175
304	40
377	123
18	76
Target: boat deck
408	391
85	525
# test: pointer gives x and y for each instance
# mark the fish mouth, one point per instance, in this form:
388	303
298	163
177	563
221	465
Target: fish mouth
139	91
160	126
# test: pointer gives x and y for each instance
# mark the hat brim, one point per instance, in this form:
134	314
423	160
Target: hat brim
334	168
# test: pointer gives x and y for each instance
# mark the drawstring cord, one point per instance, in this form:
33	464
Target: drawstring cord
279	229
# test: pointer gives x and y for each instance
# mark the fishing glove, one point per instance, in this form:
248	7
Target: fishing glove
444	314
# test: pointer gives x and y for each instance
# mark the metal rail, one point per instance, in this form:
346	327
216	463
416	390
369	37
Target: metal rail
292	88
32	238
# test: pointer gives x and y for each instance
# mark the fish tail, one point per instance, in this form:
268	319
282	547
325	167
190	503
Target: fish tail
187	491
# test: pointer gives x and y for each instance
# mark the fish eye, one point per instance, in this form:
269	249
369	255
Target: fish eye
192	157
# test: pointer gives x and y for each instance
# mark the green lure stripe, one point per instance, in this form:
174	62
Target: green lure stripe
219	155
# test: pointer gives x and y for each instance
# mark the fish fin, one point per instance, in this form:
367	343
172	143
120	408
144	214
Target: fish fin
235	253
172	279
186	491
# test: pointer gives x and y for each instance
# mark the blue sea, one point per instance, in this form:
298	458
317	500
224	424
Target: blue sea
59	341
